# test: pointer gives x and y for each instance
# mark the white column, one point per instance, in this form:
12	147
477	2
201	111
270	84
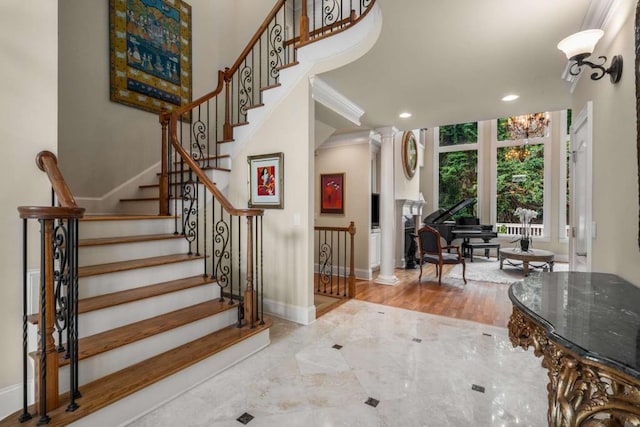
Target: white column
387	209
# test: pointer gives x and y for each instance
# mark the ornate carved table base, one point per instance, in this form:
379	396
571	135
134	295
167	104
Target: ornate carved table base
581	392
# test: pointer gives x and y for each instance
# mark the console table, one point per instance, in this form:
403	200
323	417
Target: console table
586	327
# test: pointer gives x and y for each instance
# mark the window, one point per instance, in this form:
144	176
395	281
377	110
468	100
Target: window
520	179
457	164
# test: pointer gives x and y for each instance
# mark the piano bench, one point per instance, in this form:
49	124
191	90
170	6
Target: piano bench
468	247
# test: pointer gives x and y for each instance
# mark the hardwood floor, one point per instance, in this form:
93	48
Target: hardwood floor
477	301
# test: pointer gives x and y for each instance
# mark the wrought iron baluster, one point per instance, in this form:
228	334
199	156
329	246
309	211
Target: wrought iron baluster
72	292
204	232
344	264
189	211
223	255
241	300
275	50
60	243
42	346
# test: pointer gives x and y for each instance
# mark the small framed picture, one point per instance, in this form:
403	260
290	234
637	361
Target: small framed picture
332	193
266	184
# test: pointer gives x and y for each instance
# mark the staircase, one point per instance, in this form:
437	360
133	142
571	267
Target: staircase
132	310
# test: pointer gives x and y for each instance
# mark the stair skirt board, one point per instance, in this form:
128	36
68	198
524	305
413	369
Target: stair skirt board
100	365
122	280
144	401
109	318
102	254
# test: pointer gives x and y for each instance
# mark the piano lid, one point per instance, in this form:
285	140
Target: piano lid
442	215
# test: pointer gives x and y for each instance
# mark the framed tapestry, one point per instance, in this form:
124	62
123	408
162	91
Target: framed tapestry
266	184
332	193
150	47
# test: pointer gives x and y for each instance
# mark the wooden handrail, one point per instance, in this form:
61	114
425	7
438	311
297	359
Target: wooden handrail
48	163
334	32
254	39
49	212
204	178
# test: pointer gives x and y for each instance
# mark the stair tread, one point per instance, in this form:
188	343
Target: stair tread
116	298
233	125
127	334
273	86
120	217
224	141
107	390
112	267
255	106
290	64
126	239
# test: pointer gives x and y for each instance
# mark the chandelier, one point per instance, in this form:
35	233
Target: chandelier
519	153
525	127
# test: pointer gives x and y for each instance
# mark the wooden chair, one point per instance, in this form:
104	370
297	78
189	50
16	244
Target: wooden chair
431	251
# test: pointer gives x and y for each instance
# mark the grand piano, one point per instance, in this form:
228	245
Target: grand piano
465	228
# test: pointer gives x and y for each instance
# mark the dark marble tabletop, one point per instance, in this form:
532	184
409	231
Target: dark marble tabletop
595	315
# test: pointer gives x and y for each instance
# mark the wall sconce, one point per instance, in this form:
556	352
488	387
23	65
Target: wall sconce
579	46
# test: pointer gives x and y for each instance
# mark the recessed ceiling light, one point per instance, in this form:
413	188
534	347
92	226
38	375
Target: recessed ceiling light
405	115
512	97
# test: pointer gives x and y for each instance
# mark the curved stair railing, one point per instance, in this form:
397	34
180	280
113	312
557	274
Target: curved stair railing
192	134
57	318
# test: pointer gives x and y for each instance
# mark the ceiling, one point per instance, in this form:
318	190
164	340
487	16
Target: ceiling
452	61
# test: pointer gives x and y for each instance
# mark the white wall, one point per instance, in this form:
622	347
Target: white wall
615	156
28	124
103	143
288	232
353	161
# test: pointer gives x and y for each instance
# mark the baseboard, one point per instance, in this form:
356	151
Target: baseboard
11	398
294	313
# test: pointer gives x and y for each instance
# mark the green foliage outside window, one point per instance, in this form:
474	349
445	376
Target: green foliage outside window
458	178
463	133
528	193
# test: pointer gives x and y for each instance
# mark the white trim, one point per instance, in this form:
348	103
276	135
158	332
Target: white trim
334	100
586	114
11	398
561	152
294	313
123	185
493	164
387	280
346	139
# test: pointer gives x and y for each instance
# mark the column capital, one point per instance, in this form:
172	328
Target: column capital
387	132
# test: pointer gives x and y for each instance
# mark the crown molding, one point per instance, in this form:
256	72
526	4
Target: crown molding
346	139
334	100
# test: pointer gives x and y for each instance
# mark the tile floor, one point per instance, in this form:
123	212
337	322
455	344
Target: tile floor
395	368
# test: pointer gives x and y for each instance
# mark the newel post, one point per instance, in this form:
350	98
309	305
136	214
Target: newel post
227	130
249	306
352	275
163	209
304	23
47	368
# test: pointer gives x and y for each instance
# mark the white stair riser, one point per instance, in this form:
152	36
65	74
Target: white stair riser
138	404
113	317
96	229
119	358
103	254
122	280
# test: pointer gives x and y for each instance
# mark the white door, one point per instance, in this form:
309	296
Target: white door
581	188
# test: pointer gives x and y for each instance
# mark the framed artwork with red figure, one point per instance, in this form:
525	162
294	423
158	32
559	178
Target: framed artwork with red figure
266	186
332	193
